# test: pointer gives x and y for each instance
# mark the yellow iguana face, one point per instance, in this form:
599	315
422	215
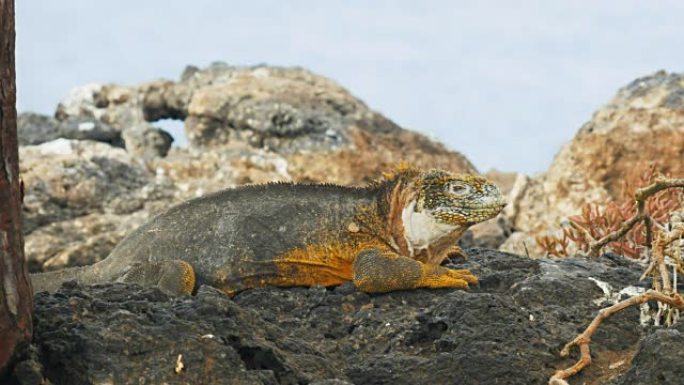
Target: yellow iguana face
458	199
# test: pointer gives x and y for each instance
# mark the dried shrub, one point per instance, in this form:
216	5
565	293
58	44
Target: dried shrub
653	225
597	221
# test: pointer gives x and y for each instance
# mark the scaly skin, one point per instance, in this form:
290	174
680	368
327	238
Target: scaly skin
390	235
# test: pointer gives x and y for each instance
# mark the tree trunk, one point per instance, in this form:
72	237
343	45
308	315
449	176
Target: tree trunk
15	287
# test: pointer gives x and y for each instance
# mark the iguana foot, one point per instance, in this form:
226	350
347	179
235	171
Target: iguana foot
464	274
456	251
174	277
435	276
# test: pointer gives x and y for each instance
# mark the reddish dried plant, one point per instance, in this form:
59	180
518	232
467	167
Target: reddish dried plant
596	221
627	228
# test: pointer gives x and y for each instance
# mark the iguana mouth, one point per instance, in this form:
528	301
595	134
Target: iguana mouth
497	206
485	211
471	213
481	215
490	204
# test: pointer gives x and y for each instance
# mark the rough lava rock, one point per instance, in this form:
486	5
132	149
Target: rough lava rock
64	179
658	359
309	119
643	123
81	197
35	129
114	106
147	142
508	330
287	109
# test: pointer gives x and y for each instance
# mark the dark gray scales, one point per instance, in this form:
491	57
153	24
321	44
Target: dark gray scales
221	232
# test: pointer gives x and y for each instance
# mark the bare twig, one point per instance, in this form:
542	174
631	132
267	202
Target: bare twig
584	232
640	196
582	340
648	222
596	246
660	184
658	240
658	267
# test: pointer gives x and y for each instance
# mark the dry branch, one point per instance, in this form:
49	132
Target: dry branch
658	267
582	340
663	291
640	196
625	227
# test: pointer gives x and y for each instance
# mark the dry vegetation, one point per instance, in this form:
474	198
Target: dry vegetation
581	233
647	225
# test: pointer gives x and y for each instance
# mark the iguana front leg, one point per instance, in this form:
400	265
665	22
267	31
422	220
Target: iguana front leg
376	271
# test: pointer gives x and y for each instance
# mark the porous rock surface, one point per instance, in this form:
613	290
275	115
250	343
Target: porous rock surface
35	129
506	331
289	111
658	359
80	198
642	124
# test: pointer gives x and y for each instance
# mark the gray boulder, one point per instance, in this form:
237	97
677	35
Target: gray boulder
291	112
35	129
81	197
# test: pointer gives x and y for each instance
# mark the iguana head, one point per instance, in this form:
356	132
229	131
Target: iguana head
457	199
426	211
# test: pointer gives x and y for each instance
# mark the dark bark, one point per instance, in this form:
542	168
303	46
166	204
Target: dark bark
15	287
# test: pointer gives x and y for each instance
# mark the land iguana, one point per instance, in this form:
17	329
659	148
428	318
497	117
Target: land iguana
391	235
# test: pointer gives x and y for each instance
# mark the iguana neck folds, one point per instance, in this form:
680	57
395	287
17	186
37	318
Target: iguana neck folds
422	230
423	213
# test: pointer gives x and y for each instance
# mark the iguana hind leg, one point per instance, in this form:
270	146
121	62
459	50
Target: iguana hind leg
376	271
173	277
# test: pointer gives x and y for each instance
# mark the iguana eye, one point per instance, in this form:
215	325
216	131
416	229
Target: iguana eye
457	189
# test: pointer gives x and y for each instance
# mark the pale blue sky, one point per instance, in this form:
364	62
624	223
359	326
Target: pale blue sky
504	82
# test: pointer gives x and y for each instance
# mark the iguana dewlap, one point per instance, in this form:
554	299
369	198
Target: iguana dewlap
390	235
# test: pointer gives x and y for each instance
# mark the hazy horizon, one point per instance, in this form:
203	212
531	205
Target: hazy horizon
504	83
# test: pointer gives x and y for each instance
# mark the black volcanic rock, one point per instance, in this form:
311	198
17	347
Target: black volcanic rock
659	359
506	331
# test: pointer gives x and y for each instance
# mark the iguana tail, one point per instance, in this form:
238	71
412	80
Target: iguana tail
173	277
52	280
